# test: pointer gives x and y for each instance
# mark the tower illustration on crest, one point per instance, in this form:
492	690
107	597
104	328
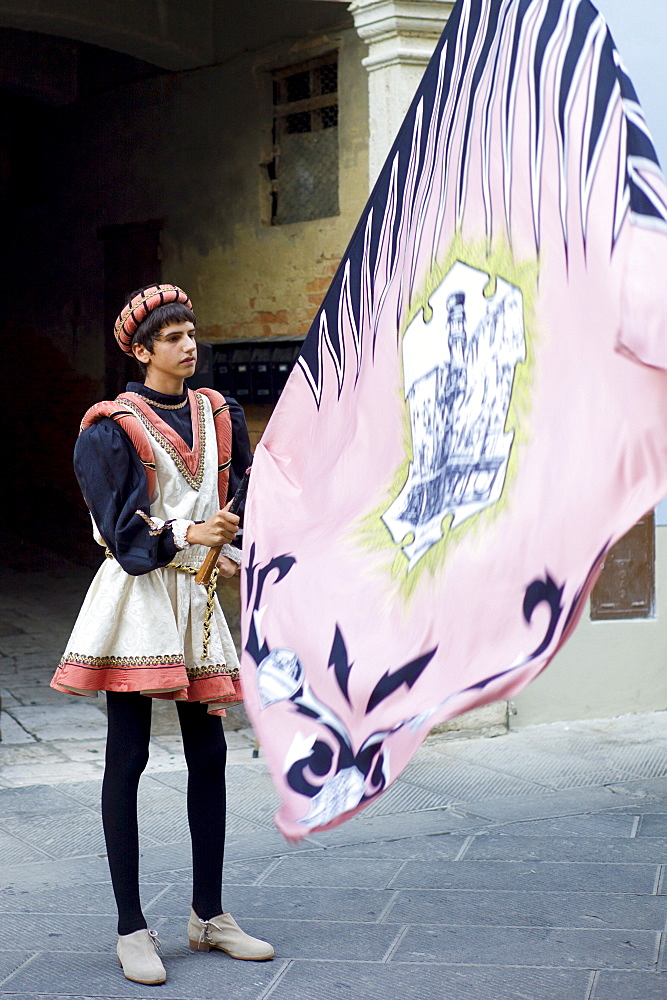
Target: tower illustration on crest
458	388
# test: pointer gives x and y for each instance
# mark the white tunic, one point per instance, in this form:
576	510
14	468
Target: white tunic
151	633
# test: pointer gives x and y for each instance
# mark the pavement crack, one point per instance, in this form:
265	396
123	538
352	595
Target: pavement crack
397	873
389	906
464	847
271	988
594	976
21	967
33	736
391	950
158	895
268	871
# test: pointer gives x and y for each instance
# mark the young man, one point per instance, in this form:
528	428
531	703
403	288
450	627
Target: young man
156	467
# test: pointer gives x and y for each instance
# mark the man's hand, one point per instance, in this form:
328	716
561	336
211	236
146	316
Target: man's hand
220	528
227	568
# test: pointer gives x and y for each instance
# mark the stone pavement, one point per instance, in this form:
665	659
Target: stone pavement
527	867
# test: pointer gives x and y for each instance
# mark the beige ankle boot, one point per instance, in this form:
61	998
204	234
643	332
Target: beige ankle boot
138	958
225	934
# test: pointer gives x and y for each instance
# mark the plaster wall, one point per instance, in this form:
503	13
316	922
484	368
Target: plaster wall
250	278
606	668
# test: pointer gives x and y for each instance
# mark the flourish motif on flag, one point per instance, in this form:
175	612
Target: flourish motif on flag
478	412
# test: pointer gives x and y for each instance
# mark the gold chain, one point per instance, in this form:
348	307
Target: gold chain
161	406
210	599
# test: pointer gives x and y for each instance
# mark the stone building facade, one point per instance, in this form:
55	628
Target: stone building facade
194	141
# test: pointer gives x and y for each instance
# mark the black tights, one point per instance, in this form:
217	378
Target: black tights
126	757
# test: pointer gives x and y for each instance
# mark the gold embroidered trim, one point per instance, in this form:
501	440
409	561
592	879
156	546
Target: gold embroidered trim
225	465
220	409
195	673
195	481
161	406
122	661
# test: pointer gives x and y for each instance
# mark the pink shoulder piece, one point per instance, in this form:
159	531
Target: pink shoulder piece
132	427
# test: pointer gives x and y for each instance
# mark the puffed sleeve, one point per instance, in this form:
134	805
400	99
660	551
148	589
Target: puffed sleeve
113	483
241	453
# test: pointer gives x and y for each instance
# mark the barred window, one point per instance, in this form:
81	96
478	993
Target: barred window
304	169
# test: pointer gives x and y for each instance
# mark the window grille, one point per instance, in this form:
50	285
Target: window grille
304	169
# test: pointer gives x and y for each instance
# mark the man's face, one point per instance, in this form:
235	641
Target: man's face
174	351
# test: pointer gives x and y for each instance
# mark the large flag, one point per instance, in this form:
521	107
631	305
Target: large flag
478	413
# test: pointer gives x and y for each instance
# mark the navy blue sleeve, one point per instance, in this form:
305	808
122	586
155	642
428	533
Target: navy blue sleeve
113	483
241	453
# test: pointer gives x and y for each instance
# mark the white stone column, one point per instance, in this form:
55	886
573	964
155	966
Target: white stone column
401	37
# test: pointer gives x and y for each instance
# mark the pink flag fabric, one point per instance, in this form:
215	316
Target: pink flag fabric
478	413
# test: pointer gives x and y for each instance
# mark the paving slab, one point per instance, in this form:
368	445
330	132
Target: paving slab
362	905
528	909
554	803
325	939
34	801
73	900
38	773
530	866
653	825
191	977
434	848
364	828
594	824
14	850
57	932
88	751
13	734
10	961
461	781
639	791
39	693
309	870
45	874
533	877
624	986
27	752
368	981
76	832
83	721
236	873
403	797
506	847
552	947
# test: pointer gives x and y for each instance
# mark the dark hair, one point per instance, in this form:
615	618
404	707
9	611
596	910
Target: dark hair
157	319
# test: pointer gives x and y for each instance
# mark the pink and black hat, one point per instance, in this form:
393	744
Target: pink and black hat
138	308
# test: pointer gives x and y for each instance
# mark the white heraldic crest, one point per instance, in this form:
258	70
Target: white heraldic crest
458	371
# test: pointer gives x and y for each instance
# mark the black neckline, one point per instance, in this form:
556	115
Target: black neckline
156	397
